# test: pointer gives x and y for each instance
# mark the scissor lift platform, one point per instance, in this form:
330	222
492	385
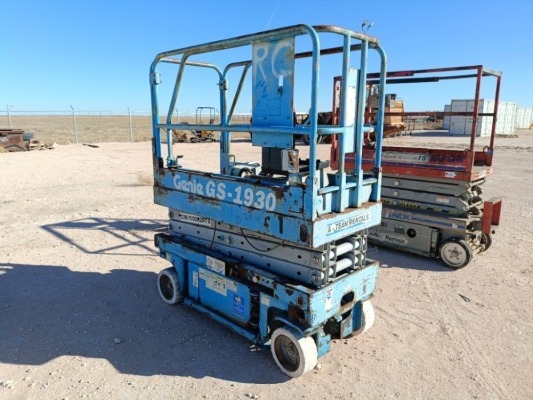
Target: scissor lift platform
275	250
433	203
432	197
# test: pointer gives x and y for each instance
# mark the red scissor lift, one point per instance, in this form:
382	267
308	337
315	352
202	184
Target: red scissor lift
432	197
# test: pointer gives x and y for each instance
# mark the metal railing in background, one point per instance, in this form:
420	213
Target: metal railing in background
81	126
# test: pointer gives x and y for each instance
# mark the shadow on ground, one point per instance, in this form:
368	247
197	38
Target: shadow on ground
430	133
48	311
390	258
120	236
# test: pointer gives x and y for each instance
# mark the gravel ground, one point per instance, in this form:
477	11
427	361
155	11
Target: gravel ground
80	316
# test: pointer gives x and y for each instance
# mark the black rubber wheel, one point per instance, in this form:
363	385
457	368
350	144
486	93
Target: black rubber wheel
455	253
486	241
474	211
306	140
293	353
168	286
14	148
244	172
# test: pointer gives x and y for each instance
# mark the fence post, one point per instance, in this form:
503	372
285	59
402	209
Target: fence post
131	126
8	116
75	127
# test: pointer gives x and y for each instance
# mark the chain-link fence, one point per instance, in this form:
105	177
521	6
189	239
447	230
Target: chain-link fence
64	127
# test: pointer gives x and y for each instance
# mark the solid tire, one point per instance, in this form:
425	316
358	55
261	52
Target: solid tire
293	353
367	319
486	241
14	148
168	286
455	253
307	140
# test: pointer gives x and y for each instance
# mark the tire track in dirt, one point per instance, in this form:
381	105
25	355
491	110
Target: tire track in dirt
474	355
397	318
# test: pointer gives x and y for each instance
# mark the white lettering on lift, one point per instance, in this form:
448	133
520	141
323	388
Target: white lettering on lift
282	44
405	157
347	223
261	55
388	237
247	196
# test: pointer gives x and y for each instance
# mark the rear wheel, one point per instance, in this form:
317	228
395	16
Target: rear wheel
293	353
14	147
169	287
456	253
307	140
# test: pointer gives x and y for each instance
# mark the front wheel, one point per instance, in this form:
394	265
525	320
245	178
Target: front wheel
368	317
293	353
486	241
456	253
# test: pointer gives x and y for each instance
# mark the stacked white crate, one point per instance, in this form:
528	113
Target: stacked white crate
457	124
447	118
462	125
524	117
506	118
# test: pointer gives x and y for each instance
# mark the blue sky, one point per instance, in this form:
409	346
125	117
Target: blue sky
95	55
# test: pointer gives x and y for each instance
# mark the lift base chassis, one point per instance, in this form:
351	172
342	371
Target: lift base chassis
255	303
440	219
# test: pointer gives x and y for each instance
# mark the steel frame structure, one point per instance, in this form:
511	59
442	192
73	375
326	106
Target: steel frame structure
432	196
274	250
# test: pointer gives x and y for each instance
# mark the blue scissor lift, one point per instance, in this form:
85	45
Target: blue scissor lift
276	250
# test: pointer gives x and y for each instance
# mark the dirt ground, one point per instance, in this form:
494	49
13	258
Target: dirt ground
80	316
